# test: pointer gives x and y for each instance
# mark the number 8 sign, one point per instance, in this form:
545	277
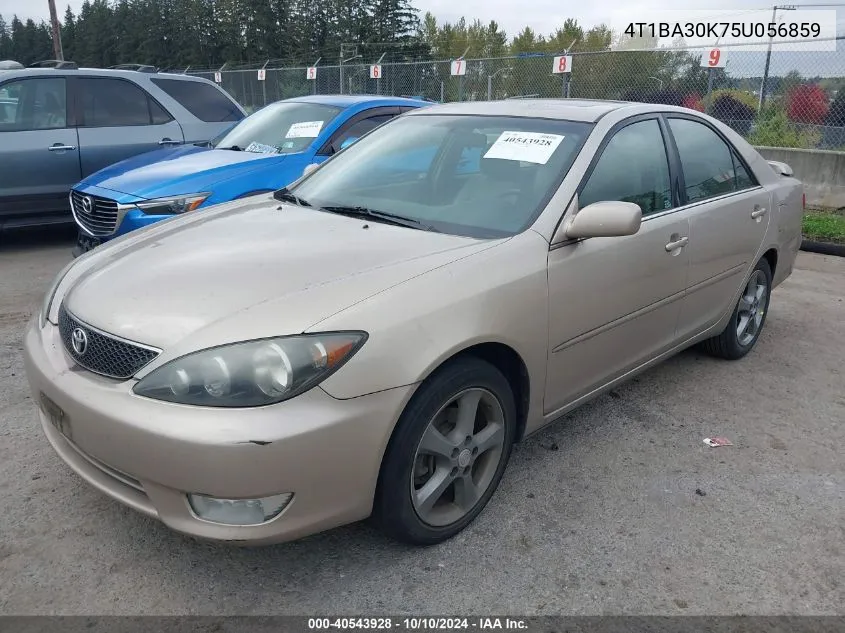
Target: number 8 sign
714	59
562	64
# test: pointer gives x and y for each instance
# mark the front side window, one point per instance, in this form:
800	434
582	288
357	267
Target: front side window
710	167
205	101
33	104
358	129
279	128
112	103
477	176
632	168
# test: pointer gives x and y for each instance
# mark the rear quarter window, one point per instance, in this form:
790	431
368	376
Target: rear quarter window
206	102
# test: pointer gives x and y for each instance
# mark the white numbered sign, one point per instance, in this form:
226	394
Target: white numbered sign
375	71
714	58
562	64
218	78
262	74
459	67
311	72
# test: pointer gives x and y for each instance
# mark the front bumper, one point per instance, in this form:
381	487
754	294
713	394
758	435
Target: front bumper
149	454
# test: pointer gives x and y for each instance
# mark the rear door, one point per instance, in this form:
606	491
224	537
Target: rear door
38	151
729	214
117	120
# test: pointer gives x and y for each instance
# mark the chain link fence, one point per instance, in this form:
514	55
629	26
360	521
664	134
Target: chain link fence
795	99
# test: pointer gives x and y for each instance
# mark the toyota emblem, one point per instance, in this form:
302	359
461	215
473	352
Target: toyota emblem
79	341
87	204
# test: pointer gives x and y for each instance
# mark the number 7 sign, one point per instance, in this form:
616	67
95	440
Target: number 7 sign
562	64
459	67
714	59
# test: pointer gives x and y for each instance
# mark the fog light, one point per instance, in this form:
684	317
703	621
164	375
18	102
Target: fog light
239	511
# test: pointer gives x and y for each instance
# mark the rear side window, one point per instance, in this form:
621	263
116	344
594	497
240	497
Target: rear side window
33	104
711	168
117	103
204	101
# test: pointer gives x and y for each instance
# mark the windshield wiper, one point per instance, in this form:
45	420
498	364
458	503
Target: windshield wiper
284	195
234	148
380	216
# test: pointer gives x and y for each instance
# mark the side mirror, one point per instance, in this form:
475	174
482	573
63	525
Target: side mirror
781	168
604	219
309	168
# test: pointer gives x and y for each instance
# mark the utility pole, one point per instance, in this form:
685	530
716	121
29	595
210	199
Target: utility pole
57	33
765	80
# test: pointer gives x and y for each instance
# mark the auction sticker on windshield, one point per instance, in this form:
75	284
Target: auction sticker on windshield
261	148
305	129
529	147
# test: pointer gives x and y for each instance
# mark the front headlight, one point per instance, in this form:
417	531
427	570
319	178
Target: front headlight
251	374
172	205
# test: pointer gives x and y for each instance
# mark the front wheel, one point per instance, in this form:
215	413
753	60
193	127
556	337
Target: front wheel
748	317
448	453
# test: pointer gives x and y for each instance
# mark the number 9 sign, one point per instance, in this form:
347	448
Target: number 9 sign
714	59
562	64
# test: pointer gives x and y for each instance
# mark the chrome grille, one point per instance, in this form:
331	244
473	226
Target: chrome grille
103	354
101	217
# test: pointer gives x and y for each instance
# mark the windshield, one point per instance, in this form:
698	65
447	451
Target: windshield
279	128
468	175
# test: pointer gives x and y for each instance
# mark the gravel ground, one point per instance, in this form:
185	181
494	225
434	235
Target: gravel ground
618	509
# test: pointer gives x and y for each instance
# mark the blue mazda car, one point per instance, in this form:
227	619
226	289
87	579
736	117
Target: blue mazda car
262	153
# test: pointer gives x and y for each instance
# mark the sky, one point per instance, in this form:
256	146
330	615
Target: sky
541	15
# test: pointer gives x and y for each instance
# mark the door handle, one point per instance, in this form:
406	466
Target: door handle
758	212
679	243
168	141
60	148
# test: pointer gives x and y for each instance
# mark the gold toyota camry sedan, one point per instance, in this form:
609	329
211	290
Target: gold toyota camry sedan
372	340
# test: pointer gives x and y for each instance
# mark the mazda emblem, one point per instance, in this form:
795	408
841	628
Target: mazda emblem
79	341
87	204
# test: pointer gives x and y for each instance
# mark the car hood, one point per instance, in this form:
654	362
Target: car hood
177	171
248	270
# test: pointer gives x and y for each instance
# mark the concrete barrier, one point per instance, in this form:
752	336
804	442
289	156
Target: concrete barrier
821	171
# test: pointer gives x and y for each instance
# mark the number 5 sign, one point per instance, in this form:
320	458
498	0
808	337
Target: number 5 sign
562	64
311	72
375	71
714	59
459	67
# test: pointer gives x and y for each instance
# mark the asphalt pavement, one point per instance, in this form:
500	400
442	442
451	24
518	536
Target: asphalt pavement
620	508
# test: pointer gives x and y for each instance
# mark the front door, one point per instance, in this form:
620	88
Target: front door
39	151
614	302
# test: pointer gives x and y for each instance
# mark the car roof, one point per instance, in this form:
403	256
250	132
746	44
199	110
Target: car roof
586	110
96	72
346	101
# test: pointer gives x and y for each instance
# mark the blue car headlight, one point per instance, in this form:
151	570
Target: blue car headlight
173	205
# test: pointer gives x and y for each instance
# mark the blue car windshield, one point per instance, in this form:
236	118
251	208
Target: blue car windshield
279	128
479	176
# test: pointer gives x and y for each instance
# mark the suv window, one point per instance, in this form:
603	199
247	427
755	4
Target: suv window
632	168
711	168
117	103
358	129
206	102
33	104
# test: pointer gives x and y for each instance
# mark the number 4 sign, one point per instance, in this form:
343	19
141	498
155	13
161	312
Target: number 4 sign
714	59
562	64
459	67
375	71
311	72
262	74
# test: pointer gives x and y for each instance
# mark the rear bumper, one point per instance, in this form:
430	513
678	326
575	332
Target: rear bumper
148	455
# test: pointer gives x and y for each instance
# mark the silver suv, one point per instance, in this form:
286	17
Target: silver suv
60	124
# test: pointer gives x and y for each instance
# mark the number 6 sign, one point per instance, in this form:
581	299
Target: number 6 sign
562	64
375	71
459	67
714	59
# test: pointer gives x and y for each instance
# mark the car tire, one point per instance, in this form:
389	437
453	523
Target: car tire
748	318
402	509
